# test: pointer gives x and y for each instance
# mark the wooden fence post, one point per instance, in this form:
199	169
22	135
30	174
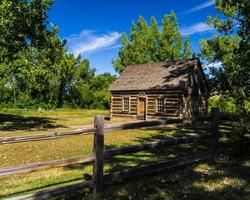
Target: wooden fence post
215	115
98	154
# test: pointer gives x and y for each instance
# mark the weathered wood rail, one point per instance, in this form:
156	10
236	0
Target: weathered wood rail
84	131
107	153
100	153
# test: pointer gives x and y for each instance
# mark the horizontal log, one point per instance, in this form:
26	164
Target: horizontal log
117	111
171	111
50	136
84	131
117	176
109	152
46	194
115	103
151	100
133	125
133	106
45	165
118	107
153	145
146	169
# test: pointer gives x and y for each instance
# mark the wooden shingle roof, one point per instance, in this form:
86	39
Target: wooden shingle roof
154	76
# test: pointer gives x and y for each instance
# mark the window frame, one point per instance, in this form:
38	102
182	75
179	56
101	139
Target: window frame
128	104
162	106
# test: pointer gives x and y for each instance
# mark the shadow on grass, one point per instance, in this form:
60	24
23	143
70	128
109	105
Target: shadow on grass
227	179
224	180
45	186
10	122
207	181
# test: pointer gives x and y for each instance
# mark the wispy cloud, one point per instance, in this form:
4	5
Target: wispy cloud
201	6
88	41
200	27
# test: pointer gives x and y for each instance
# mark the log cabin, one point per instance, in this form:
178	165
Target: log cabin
176	89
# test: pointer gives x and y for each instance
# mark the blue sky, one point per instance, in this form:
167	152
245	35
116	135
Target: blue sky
93	27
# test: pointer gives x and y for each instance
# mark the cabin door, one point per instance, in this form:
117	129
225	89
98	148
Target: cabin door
141	114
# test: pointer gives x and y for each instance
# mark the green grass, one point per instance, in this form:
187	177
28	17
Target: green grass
16	122
39	151
206	181
201	181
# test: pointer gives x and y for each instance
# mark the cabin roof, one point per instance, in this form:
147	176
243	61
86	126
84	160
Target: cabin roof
155	76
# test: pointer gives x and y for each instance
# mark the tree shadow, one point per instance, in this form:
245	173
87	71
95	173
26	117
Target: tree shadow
187	182
10	122
44	187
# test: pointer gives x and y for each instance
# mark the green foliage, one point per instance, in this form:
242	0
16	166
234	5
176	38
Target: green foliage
232	49
35	68
225	104
187	49
149	43
23	24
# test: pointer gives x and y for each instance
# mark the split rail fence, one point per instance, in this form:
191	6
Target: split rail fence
100	153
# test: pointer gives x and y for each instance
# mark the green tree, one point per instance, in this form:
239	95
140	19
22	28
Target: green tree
187	49
171	39
22	24
154	40
232	49
99	87
35	67
147	43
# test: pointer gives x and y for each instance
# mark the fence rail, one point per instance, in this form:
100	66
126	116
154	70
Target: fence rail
107	153
99	154
83	131
118	175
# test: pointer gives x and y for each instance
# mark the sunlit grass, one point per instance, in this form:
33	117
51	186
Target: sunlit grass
19	122
200	181
23	153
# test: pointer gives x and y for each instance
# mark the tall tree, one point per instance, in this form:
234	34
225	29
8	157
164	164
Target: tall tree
22	24
154	40
147	43
35	67
187	49
231	49
171	39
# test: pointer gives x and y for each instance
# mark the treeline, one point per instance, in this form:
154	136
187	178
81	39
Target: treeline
153	42
35	68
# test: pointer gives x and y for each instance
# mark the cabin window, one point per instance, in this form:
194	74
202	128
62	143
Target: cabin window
160	105
126	104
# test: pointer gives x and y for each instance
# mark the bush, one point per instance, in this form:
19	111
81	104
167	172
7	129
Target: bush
227	105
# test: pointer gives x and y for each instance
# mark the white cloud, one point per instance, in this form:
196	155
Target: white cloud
200	27
201	6
89	42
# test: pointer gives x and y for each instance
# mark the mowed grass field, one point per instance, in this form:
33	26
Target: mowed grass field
184	183
19	122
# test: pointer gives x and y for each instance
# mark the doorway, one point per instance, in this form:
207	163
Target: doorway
141	112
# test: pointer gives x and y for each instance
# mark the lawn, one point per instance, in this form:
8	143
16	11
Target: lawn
202	181
16	122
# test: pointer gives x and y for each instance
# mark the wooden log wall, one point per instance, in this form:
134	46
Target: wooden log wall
172	100
116	105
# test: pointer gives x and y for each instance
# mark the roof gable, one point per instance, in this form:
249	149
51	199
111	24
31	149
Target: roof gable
154	76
